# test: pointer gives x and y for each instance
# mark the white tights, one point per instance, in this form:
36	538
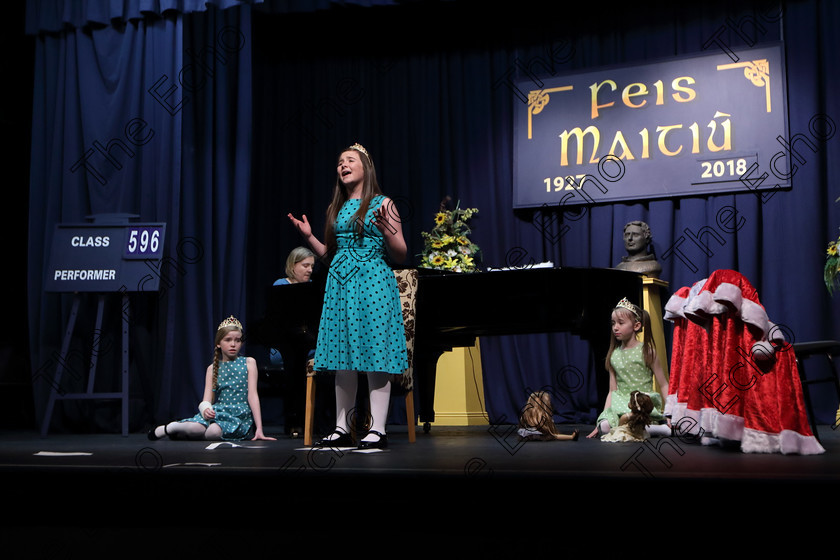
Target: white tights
379	385
190	430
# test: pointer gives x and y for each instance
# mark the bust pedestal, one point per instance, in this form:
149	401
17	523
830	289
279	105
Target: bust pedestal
652	303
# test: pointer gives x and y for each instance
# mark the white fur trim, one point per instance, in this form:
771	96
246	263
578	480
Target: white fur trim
787	442
750	312
674	308
713	427
753	314
702	307
729	295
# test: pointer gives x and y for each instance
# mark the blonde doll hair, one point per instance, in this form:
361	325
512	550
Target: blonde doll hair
538	413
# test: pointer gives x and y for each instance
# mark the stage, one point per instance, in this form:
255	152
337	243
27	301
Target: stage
64	487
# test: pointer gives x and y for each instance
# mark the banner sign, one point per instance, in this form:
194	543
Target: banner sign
691	126
106	258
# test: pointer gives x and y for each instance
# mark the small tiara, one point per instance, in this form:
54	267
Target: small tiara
360	148
230	322
625	303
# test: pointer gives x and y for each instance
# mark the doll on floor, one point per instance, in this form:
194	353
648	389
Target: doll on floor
633	425
536	422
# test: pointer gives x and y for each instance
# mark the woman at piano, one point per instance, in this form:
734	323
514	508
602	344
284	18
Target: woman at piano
361	329
299	265
632	365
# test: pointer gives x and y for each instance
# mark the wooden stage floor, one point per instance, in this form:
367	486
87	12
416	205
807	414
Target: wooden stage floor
65	487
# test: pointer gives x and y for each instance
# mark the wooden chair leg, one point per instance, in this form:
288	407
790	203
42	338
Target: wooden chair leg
409	407
309	414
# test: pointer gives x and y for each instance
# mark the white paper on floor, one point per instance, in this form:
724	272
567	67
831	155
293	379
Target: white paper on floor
218	444
62	453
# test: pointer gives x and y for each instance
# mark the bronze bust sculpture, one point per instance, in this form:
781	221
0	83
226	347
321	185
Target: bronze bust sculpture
637	242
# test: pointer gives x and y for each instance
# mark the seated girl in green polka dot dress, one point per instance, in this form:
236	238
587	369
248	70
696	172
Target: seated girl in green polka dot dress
632	365
231	406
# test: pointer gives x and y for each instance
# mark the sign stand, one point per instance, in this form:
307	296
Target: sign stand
106	257
56	394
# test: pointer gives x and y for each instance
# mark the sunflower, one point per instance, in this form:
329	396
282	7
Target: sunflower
832	265
447	246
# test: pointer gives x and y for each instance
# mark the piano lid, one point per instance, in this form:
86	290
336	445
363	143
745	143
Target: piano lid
523	301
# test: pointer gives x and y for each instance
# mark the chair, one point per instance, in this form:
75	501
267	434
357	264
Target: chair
803	350
407	284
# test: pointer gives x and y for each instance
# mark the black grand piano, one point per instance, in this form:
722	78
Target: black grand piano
499	302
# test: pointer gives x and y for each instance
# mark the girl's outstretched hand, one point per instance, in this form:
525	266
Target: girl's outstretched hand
260	436
303	227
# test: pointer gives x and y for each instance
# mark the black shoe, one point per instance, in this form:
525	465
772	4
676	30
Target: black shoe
152	435
343	440
381	443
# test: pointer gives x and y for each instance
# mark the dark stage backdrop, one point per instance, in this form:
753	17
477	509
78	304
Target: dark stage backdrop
427	88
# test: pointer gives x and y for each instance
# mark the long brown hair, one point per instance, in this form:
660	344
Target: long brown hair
370	189
642	316
641	405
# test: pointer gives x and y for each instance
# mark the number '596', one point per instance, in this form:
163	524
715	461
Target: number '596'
143	241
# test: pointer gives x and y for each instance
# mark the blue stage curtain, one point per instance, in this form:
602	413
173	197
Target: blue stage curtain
428	94
97	75
436	111
780	247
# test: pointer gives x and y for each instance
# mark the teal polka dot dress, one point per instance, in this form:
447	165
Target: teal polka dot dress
233	414
631	374
361	322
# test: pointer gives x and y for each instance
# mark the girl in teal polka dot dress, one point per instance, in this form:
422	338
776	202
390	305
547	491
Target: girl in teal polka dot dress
632	366
361	329
231	406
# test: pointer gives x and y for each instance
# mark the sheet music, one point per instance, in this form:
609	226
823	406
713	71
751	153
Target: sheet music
546	264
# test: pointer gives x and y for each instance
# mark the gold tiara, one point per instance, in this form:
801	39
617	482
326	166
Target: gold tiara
360	148
230	322
625	303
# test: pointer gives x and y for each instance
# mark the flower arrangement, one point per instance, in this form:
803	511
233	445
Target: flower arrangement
448	247
832	265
